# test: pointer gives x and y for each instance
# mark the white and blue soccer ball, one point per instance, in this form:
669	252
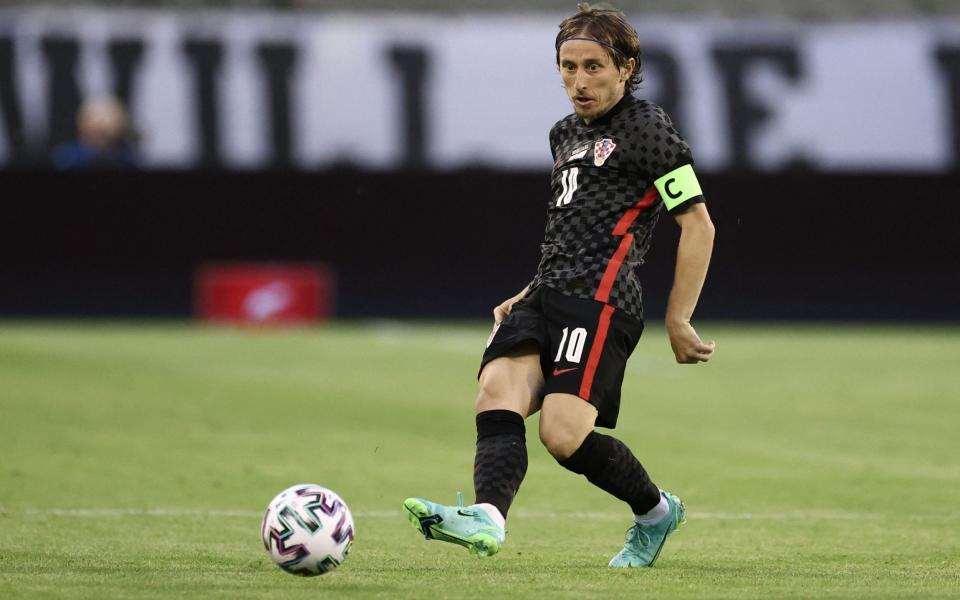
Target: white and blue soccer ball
307	530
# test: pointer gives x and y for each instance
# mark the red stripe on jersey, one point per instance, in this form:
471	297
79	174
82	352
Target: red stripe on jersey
596	349
613	267
631	215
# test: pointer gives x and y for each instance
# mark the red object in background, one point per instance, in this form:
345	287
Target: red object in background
263	292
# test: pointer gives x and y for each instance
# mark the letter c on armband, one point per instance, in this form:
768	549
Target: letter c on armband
678	186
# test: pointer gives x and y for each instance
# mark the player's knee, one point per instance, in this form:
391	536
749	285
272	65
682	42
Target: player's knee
565	422
495	391
561	442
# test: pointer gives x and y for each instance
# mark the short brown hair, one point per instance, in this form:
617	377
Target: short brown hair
608	25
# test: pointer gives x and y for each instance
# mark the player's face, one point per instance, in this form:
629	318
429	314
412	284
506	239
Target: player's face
592	80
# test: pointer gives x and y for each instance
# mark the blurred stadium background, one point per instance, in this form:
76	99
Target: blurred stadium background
402	145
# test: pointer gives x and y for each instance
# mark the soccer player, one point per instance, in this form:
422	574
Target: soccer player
560	346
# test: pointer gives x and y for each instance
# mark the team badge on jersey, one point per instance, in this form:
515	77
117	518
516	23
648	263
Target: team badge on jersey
602	151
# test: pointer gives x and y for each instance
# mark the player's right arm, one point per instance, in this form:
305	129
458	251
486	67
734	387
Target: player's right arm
501	311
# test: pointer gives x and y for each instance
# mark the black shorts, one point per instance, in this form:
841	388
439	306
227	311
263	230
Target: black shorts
584	346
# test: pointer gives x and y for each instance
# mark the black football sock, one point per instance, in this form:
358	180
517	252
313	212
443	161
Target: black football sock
501	460
608	464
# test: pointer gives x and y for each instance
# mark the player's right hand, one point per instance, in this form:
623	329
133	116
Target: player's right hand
502	310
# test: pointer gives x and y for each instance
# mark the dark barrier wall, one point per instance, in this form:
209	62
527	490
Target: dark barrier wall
453	245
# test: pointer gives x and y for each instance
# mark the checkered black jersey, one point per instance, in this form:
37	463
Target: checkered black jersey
605	200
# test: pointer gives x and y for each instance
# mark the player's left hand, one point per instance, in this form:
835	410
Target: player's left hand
687	346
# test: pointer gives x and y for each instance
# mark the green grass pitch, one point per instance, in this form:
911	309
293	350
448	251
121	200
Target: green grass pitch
136	461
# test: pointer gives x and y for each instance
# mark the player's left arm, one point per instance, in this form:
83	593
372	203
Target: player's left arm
669	160
693	260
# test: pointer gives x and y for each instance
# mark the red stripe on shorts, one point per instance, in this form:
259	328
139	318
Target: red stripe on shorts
596	349
623	225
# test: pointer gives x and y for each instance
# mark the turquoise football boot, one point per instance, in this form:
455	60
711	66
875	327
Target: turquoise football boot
644	542
468	526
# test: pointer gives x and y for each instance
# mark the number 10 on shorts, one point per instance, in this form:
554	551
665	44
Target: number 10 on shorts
574	343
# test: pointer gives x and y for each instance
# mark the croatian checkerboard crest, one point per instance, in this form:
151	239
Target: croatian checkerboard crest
602	150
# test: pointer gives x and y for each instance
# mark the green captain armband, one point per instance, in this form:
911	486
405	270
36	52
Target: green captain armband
678	186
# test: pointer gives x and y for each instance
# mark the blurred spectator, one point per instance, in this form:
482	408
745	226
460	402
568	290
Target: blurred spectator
103	139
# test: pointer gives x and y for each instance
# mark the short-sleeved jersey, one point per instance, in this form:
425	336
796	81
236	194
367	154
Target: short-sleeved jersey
605	203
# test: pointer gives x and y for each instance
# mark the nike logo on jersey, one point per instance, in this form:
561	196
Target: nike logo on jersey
576	155
557	371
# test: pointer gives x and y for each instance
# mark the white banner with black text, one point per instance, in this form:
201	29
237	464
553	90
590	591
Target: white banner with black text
313	90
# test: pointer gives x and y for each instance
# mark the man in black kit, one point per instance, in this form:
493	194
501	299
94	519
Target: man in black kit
560	346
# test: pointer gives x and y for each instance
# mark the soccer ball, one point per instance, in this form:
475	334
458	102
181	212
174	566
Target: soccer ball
307	530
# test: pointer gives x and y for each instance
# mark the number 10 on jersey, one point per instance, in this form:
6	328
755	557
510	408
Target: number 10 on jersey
568	183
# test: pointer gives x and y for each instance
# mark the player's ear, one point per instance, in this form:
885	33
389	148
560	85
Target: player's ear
627	69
